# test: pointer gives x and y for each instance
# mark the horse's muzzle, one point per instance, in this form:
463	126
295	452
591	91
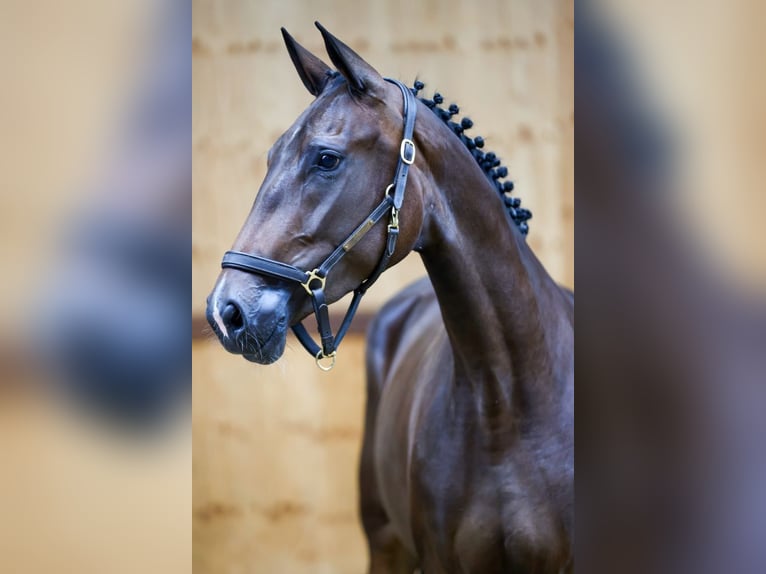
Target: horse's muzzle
251	323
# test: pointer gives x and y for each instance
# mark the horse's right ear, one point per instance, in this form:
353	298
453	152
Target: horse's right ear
361	77
313	72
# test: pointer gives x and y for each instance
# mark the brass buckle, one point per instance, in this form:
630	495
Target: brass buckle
394	212
312	275
321	356
402	151
394	219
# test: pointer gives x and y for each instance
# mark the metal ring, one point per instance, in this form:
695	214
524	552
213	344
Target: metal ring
320	356
313	275
390	187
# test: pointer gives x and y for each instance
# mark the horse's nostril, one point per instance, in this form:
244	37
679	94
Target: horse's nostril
232	317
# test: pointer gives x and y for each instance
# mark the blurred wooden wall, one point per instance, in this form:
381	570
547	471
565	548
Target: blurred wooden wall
275	448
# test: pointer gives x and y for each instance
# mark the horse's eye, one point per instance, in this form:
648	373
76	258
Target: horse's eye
328	161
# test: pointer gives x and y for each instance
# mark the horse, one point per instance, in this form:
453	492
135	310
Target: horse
467	461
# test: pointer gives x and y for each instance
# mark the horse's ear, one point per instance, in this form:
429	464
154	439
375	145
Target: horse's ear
359	74
313	72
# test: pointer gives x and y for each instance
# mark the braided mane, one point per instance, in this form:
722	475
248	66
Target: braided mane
488	162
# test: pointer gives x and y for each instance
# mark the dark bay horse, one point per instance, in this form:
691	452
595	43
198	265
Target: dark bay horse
467	462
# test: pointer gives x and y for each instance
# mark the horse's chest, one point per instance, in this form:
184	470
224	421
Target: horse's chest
485	520
462	501
474	513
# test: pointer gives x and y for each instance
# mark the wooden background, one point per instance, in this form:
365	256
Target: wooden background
275	448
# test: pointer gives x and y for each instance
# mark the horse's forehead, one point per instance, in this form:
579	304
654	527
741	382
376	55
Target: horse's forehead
325	117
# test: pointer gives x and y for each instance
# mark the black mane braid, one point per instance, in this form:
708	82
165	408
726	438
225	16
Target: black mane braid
488	162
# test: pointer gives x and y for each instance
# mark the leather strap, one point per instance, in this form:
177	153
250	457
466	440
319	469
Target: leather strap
323	324
355	236
257	264
405	159
322	314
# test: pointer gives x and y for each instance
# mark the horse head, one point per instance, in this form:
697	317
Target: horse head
325	175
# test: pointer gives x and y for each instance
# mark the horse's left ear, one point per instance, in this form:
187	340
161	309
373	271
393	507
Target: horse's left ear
313	72
360	75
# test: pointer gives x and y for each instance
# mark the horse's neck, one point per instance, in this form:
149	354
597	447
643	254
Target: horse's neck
502	311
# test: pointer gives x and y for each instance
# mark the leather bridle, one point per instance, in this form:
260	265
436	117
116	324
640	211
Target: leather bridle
314	281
